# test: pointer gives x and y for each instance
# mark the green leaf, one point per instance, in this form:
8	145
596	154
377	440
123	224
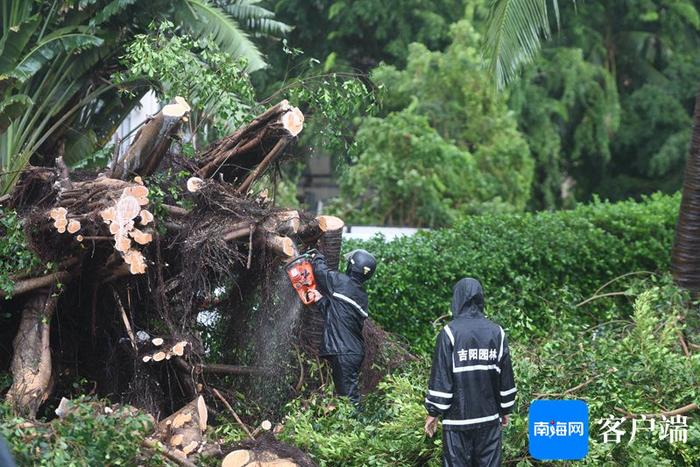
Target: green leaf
113	8
11	108
50	47
14	41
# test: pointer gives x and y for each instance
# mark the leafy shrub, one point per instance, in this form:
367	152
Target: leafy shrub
15	257
533	267
86	436
445	145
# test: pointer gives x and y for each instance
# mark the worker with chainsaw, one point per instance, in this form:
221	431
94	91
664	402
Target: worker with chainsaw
343	302
471	382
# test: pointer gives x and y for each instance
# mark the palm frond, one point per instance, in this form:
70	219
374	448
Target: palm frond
112	8
513	35
257	18
50	47
205	19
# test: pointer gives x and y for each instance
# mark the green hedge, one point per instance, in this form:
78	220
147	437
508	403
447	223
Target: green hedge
533	267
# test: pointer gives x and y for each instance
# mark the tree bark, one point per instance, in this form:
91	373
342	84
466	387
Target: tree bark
152	142
685	259
31	363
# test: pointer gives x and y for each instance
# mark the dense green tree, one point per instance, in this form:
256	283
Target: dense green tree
445	137
568	109
649	50
359	34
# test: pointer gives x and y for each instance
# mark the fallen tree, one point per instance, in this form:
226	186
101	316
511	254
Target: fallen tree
138	253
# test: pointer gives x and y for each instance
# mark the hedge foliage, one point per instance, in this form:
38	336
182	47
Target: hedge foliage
534	267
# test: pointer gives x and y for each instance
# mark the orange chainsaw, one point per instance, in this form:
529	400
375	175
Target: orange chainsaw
301	275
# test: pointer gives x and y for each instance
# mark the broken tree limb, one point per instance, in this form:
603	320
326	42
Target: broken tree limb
670	413
239	230
125	320
65	173
175	211
237	155
233	412
260	168
31	362
159	447
152	142
34	283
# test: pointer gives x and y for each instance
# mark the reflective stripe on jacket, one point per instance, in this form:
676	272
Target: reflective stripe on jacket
471	382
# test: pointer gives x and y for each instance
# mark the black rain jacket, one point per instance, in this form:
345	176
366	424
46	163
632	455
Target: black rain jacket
471	383
344	307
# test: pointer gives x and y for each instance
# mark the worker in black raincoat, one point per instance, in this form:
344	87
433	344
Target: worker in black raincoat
471	383
343	302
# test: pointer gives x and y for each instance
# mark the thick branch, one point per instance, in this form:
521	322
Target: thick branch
152	142
34	283
276	151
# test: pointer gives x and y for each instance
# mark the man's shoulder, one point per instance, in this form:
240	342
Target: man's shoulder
484	325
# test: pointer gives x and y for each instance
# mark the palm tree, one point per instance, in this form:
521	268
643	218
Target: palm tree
56	59
515	29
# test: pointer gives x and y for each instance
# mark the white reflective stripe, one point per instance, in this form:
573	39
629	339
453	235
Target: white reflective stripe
470	421
460	369
503	335
351	302
509	391
449	334
445	395
507	404
439	406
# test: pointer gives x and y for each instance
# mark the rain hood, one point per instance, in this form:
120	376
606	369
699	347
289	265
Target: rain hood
467	298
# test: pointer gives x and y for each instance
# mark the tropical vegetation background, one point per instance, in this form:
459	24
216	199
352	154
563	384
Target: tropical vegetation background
543	143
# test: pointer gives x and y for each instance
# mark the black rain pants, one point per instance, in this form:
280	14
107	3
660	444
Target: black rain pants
480	447
346	375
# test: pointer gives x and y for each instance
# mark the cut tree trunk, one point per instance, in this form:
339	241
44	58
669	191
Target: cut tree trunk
152	142
330	245
282	246
183	430
31	363
259	143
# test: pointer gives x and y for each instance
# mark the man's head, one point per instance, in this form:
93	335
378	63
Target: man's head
361	265
467	297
